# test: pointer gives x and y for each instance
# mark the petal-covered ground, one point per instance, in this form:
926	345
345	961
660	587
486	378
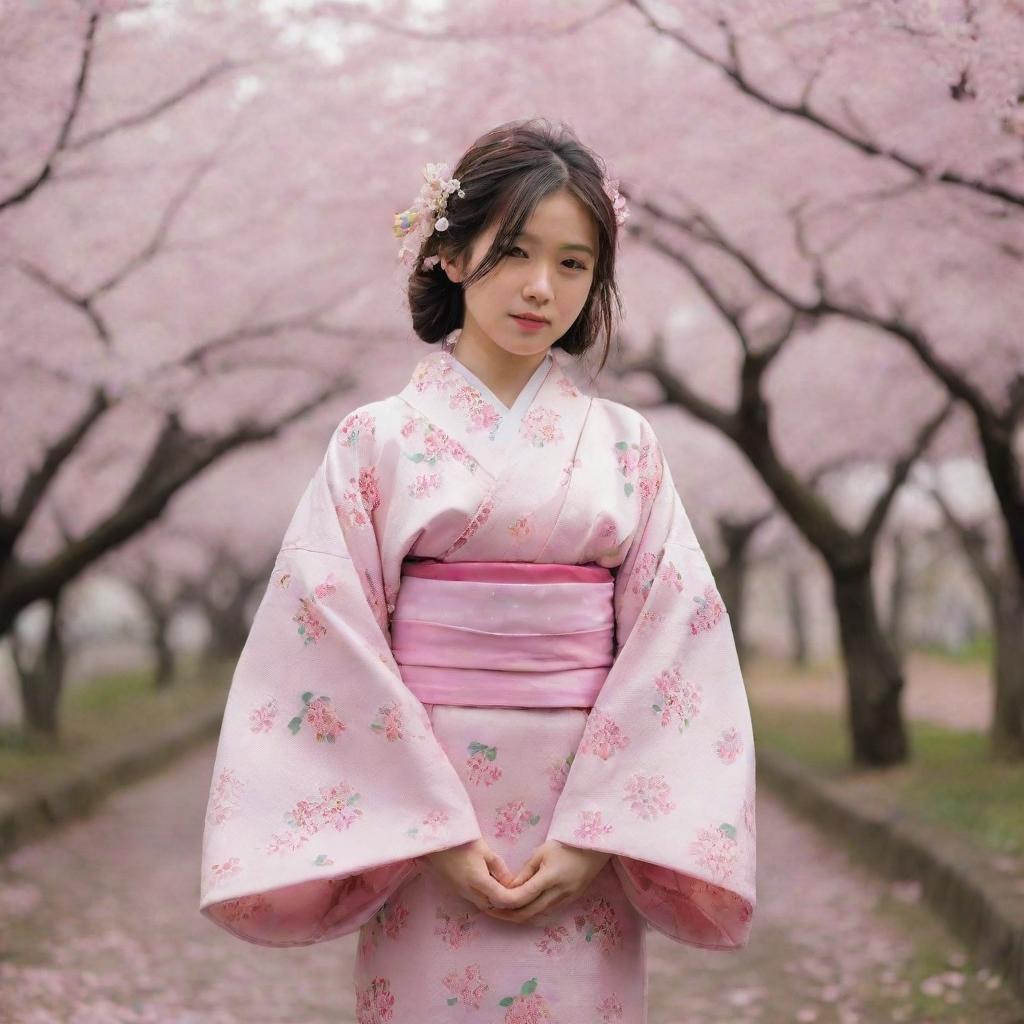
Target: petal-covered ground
100	926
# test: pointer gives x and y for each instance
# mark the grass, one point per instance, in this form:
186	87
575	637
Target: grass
949	778
103	711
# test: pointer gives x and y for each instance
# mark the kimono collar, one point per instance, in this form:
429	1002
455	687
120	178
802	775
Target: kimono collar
552	418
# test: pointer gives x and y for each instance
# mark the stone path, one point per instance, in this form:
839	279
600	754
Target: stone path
98	925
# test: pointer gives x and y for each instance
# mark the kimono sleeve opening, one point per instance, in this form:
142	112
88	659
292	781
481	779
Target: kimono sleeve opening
663	778
328	782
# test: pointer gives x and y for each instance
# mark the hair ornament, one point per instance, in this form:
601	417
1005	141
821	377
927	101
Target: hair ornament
427	214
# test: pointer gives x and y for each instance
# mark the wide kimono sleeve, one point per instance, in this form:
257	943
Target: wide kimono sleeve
663	778
328	781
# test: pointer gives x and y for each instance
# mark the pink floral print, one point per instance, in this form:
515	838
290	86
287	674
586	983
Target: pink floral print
225	796
527	1007
554	941
591	827
466	987
602	736
610	1008
375	1004
336	807
520	528
261	719
221	872
730	746
648	796
435	445
482	769
361	499
456	930
480	414
540	427
353	425
424	485
511	818
388	721
432	826
483	513
679	699
716	850
598	919
709	611
242	908
311	625
319	715
558	772
644	571
387	923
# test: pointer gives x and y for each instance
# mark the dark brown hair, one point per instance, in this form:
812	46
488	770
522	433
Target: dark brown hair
504	174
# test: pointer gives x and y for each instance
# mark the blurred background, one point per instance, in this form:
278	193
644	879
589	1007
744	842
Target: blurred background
823	275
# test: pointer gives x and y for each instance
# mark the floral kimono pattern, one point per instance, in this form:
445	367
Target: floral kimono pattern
332	780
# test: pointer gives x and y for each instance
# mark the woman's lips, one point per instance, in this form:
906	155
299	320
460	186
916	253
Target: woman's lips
527	324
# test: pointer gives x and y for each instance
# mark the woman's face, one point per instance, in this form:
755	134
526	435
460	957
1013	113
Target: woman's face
547	272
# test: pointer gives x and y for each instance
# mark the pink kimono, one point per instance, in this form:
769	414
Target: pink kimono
486	622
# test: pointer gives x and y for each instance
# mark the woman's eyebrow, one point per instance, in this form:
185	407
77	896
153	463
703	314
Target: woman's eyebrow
565	245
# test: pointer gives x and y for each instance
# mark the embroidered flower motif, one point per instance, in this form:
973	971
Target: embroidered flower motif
602	736
375	1004
709	611
225	796
558	772
424	485
680	699
511	818
353	425
434	445
483	513
311	625
432	826
610	1008
716	850
361	498
482	769
520	528
456	930
319	715
284	580
261	719
598	918
336	807
648	796
224	870
389	721
540	426
528	1007
644	570
634	462
479	414
555	940
387	923
730	745
591	827
467	988
567	388
648	620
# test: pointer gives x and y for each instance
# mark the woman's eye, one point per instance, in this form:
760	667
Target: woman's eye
577	264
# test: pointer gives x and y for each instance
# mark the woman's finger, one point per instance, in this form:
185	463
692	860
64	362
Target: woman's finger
548	899
498	868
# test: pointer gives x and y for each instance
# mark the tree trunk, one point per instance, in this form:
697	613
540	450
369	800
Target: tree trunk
164	670
796	612
41	680
899	593
874	680
1006	732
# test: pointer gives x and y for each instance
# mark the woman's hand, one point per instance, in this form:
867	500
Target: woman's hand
555	874
476	873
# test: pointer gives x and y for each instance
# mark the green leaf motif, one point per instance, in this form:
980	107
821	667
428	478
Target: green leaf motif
453	1000
507	1001
628	489
417	457
569	760
535	819
529	987
729	830
307	696
295	724
656	707
492	753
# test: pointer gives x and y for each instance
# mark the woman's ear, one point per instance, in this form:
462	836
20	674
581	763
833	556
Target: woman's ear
452	269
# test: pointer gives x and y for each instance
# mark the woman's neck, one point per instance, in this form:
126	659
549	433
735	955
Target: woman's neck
505	373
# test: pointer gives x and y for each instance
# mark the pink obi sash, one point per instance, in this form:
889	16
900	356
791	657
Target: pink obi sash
508	634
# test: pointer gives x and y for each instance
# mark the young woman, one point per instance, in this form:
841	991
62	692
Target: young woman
490	712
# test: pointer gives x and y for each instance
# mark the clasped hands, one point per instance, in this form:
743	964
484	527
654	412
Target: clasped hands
554	874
